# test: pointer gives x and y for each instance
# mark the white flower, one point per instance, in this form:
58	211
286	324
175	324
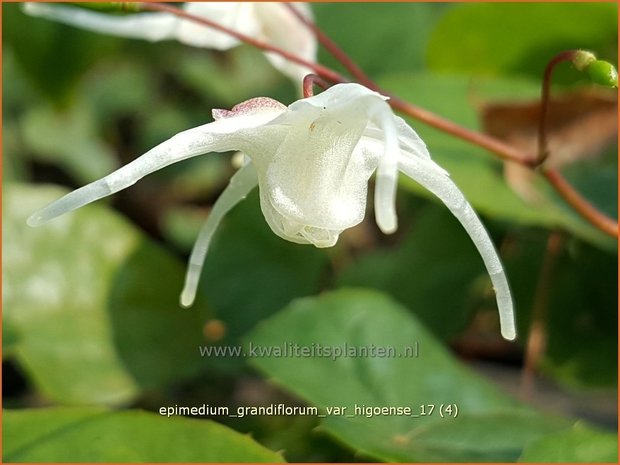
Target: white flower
312	162
269	22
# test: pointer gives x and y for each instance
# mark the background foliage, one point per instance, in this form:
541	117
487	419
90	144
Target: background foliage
94	342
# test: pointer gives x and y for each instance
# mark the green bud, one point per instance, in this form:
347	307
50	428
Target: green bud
603	73
109	7
583	59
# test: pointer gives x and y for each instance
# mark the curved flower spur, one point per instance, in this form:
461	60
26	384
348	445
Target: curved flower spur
312	162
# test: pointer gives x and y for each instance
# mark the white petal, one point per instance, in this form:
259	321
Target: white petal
233	133
241	183
147	26
429	175
279	27
410	140
316	184
238	16
354	97
387	171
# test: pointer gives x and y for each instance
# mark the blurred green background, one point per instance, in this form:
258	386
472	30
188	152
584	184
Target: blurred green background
94	342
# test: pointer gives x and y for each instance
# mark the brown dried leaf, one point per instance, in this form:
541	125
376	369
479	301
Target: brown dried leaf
581	125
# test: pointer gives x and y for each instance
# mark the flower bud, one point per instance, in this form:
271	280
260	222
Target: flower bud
603	73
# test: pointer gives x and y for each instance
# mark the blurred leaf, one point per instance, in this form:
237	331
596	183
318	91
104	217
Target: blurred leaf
101	435
489	426
437	255
69	138
271	272
13	166
519	38
129	89
583	322
380	37
91	305
578	444
240	75
476	173
53	56
581	317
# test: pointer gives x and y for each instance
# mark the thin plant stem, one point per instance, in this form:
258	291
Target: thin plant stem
537	340
495	146
581	205
499	148
543	150
334	49
310	80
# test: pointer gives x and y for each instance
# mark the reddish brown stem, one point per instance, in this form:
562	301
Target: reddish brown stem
495	146
537	339
308	84
543	151
334	49
581	205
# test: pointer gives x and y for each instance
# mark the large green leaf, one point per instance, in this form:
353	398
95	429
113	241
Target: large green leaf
489	425
380	37
251	273
101	435
476	173
91	306
519	38
578	444
435	255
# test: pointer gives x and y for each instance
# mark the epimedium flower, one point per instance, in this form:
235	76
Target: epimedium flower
312	162
269	22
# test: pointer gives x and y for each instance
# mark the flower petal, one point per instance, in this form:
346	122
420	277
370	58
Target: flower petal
238	16
235	133
317	181
148	26
241	183
387	172
279	27
410	140
433	178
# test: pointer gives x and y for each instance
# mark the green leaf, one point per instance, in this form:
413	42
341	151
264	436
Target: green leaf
418	270
68	138
380	38
578	444
520	38
247	255
489	425
478	174
52	55
90	305
101	435
583	319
